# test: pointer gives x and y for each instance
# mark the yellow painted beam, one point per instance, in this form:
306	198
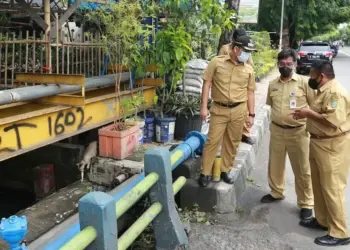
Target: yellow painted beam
149	82
29	126
51	78
152	68
68	100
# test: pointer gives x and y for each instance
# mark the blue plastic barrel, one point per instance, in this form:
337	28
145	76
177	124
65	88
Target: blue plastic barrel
148	129
165	129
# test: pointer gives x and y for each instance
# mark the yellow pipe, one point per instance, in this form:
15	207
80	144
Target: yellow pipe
83	239
178	184
176	156
135	194
88	234
139	226
217	169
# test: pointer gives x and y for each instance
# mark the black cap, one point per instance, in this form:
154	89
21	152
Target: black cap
237	33
245	42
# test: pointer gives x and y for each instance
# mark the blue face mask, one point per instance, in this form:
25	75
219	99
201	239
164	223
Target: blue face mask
243	58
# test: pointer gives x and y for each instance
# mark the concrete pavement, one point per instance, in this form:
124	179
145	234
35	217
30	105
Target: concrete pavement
258	226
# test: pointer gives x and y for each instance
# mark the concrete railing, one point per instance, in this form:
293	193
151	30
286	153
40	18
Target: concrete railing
98	211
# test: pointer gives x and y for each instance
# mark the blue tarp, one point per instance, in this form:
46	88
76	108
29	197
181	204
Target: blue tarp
93	6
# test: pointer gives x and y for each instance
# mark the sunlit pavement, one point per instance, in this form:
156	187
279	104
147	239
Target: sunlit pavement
273	226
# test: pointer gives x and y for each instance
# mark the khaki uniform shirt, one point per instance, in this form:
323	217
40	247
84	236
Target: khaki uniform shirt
281	95
225	50
333	102
230	81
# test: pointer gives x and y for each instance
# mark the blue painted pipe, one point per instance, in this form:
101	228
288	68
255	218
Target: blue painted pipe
194	142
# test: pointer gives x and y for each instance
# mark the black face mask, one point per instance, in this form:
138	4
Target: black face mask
285	71
313	83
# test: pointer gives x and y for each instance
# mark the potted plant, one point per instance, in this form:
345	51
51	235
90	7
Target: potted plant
186	108
171	54
121	28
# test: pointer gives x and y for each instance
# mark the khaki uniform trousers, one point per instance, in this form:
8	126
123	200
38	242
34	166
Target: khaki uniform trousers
329	161
226	125
295	142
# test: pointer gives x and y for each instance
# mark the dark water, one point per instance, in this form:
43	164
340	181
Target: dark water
12	201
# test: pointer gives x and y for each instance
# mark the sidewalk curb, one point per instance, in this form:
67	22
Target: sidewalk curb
221	197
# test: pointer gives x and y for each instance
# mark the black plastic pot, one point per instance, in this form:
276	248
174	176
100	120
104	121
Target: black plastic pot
185	125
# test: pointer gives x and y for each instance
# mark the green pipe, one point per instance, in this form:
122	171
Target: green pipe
129	199
139	226
83	239
178	184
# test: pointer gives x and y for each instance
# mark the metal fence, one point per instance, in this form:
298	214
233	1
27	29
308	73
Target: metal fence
23	52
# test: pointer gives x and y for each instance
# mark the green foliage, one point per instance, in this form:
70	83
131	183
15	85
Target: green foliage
133	104
265	58
303	19
332	35
171	55
185	105
121	28
205	20
173	50
193	216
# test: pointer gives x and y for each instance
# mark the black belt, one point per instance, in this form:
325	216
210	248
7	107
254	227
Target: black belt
228	105
286	126
320	137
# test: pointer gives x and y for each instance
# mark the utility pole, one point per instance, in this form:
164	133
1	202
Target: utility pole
281	28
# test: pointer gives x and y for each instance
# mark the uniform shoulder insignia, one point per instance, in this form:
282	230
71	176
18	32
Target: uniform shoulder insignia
334	100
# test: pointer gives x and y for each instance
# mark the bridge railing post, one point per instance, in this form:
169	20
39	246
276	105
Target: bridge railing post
97	210
168	229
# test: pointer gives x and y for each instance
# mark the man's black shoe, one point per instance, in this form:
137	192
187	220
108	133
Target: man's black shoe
312	223
226	177
328	240
305	214
269	199
203	180
247	140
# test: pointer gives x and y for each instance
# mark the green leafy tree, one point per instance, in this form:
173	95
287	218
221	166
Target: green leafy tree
205	21
171	55
121	29
303	19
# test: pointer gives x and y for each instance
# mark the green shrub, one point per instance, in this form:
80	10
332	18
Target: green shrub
265	58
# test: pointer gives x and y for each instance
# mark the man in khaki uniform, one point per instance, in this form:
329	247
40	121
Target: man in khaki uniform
232	84
328	122
286	93
225	50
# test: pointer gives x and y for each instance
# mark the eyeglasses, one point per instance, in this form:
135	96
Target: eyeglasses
282	64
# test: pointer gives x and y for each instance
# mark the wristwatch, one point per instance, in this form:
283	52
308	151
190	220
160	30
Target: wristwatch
252	115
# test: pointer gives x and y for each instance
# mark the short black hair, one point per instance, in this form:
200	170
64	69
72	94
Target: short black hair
324	67
238	32
285	53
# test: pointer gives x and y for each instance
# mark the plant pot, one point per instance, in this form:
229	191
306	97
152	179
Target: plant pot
148	129
141	123
118	144
185	125
165	128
